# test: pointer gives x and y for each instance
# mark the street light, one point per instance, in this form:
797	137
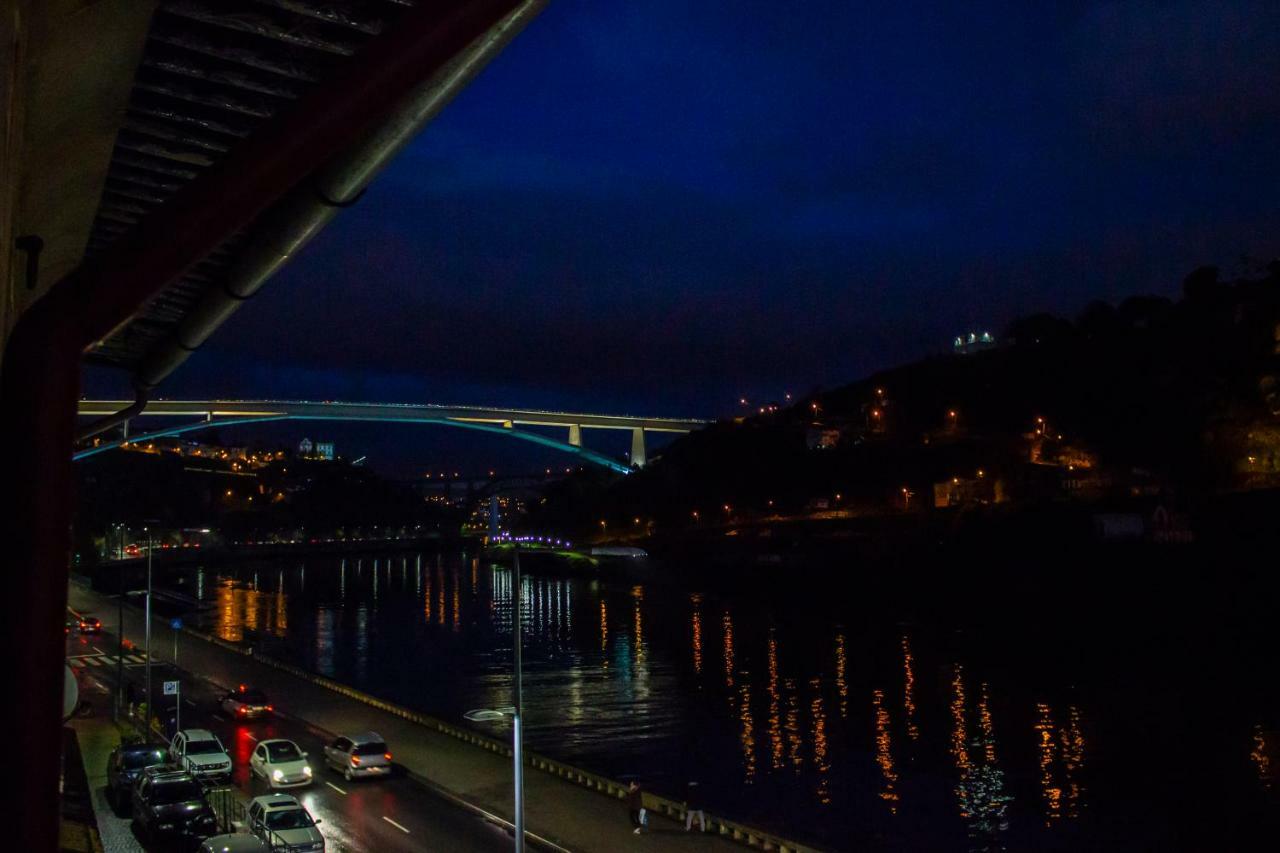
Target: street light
147	719
513	711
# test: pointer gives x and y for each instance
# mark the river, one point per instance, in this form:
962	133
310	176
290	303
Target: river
826	712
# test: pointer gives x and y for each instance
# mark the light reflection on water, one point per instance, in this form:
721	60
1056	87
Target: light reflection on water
816	728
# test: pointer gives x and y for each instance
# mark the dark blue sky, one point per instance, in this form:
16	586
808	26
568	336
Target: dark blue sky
657	207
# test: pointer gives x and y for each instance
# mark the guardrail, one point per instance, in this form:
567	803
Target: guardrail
655	803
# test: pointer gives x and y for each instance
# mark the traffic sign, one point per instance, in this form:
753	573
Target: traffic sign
171	688
176	624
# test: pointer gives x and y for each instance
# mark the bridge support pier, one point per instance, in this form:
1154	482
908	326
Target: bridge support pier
638	459
575	435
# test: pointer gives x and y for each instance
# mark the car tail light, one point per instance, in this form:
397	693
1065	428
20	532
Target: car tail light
386	755
242	710
355	761
271	707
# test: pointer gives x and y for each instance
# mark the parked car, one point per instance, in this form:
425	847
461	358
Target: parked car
245	703
236	843
170	804
365	754
125	764
90	624
201	753
282	822
281	763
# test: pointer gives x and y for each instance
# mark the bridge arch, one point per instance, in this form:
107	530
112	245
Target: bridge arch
546	441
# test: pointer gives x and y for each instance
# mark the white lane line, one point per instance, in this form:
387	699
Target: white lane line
251	737
396	825
336	788
98	650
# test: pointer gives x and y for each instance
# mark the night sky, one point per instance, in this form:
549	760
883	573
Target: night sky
659	207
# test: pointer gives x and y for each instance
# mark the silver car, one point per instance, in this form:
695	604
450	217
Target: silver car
358	756
283	824
236	843
201	753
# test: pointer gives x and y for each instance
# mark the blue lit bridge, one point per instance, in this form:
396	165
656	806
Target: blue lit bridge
506	422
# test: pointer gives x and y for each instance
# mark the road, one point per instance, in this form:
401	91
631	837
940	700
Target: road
394	814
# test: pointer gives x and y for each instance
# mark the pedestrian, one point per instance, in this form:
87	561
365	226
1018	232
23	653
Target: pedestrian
635	805
693	805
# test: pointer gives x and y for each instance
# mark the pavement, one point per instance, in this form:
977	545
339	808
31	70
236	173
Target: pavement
443	811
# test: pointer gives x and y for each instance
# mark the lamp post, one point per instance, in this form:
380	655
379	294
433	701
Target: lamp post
487	714
517	733
147	633
119	632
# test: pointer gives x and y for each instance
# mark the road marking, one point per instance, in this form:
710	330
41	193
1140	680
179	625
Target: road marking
336	788
253	738
98	650
77	663
396	825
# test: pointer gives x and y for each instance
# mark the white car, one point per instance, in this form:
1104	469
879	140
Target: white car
282	822
281	763
200	753
365	754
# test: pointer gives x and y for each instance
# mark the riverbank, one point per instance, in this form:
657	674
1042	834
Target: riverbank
568	807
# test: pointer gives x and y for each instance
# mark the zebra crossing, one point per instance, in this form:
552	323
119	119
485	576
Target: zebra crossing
105	660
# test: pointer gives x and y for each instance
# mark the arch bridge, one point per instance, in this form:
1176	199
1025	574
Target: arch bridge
501	421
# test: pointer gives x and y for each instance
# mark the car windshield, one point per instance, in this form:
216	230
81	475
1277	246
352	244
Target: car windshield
283	751
167	793
203	747
374	748
251	697
136	760
289	819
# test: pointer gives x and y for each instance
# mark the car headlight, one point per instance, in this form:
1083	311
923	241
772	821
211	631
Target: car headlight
306	771
277	775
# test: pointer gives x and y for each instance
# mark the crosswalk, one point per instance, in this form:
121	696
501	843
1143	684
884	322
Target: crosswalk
87	661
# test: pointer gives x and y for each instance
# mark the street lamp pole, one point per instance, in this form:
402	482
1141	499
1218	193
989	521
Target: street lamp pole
177	708
119	635
517	731
147	718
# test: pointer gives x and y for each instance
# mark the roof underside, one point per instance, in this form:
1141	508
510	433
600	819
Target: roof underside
213	72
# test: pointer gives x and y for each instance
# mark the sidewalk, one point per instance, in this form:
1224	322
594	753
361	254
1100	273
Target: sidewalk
98	735
567	814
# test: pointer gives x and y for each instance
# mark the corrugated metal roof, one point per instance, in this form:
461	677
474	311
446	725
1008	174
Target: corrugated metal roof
213	73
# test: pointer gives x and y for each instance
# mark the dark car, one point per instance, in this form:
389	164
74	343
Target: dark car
125	764
246	703
90	624
170	804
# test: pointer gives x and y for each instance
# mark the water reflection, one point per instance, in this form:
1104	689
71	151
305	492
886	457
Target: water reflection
775	706
819	735
780	731
884	752
909	690
1260	755
695	619
243	608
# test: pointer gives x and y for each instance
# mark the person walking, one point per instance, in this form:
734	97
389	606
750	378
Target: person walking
635	805
693	805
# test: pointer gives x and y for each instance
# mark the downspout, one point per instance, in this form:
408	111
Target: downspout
291	223
40	371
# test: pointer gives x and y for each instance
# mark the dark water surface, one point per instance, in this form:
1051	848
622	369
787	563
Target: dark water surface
834	711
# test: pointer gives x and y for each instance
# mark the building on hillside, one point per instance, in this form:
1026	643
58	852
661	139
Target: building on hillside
973	342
